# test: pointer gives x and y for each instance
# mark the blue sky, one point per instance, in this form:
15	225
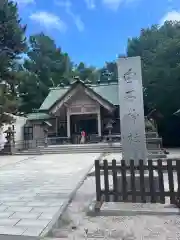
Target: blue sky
94	31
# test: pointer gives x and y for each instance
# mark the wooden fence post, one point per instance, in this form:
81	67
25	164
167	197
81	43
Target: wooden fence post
115	188
133	184
98	181
171	181
106	180
161	181
124	181
142	183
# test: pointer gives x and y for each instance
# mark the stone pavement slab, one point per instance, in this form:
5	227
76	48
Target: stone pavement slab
34	192
9	160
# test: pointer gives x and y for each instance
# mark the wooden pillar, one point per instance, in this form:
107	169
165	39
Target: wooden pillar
99	123
68	124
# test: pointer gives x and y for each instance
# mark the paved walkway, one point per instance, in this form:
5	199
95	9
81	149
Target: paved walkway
9	160
33	191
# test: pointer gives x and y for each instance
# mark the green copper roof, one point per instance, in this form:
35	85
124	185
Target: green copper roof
38	116
52	97
107	91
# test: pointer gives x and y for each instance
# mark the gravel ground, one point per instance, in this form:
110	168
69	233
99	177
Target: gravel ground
77	225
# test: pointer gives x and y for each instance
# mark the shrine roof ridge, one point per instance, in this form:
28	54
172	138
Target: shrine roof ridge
108	91
86	84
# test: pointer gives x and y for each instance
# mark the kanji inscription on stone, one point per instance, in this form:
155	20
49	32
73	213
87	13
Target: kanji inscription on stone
131	109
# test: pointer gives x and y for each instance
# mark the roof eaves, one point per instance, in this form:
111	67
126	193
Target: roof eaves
43	111
96	94
73	84
70	88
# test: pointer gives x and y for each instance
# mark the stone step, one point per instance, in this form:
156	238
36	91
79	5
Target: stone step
153	154
78	149
34	152
153	148
86	147
153	140
89	148
151	134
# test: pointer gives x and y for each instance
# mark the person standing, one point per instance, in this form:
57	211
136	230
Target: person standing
83	137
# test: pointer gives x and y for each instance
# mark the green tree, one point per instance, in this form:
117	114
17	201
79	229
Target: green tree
12	44
86	74
109	72
159	48
46	66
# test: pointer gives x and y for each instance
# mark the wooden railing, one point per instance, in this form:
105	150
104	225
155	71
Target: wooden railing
120	181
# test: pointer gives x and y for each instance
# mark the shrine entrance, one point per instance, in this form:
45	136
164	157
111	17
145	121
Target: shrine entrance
86	122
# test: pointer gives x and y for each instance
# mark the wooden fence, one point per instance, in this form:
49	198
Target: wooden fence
119	182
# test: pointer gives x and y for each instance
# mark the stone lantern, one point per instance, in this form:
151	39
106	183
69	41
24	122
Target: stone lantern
109	127
149	125
46	126
10	135
10	145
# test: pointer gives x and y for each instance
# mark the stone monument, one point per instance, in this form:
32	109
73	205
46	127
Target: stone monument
132	120
131	109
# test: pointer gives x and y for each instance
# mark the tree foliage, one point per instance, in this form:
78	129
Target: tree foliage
46	66
159	48
12	44
109	72
85	73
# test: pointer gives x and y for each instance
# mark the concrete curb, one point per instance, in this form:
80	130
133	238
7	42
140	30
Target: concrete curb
168	210
130	212
62	209
16	237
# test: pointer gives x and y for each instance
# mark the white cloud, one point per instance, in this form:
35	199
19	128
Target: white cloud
171	16
24	2
48	20
67	4
90	4
78	22
76	18
112	4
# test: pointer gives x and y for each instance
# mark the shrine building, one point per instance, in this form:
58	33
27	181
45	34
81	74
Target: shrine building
67	110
